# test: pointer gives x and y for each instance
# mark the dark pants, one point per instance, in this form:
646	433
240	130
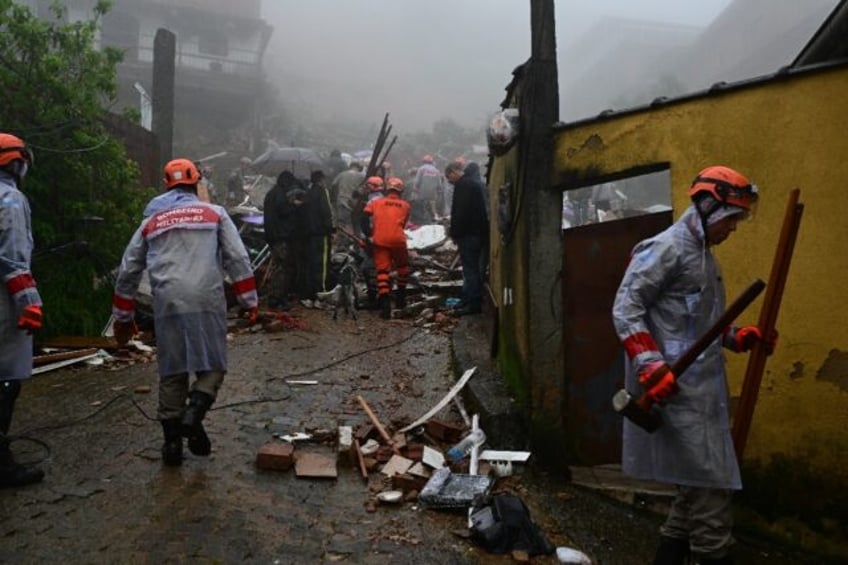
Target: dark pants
472	252
317	263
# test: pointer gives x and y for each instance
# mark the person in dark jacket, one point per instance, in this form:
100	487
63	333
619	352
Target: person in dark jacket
285	234
469	229
318	214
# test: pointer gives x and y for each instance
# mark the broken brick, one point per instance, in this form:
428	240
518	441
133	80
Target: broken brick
365	432
275	456
442	431
414	451
407	483
384	453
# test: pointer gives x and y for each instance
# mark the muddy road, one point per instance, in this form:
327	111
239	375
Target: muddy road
107	498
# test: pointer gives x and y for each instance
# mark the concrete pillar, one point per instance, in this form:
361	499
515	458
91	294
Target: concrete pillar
164	64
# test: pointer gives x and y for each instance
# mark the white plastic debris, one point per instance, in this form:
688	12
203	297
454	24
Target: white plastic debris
569	555
297	436
370	447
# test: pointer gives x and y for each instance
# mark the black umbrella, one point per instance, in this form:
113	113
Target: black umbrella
301	161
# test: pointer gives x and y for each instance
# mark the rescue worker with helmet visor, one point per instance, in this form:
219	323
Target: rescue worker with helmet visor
671	293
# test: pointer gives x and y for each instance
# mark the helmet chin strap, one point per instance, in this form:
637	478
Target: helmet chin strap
18	168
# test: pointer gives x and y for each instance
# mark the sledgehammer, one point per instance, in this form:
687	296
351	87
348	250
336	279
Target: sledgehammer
640	410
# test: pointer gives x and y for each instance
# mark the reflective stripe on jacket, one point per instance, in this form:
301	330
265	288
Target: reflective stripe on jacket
187	246
19	288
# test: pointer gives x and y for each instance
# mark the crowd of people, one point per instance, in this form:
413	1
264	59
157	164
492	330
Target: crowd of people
306	221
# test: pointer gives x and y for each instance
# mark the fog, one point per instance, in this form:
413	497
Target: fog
425	61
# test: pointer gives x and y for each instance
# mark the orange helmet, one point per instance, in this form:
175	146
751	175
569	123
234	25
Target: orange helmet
395	184
180	171
374	184
726	186
11	148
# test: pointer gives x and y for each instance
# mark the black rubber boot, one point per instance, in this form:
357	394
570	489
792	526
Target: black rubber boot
192	423
385	303
12	474
671	551
172	449
371	302
400	298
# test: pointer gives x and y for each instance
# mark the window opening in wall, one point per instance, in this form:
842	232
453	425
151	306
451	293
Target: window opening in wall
213	44
616	200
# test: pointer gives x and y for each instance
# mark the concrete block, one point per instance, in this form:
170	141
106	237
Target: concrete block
346	453
275	456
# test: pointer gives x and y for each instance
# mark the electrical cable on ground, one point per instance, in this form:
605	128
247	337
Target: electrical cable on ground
346	358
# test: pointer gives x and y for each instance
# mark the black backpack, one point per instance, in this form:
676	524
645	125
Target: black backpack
501	524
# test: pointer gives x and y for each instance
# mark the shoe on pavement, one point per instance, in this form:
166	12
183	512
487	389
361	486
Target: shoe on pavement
306	303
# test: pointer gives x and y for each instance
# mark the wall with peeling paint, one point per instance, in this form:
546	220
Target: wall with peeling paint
784	132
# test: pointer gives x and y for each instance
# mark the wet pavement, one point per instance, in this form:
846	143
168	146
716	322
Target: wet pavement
107	498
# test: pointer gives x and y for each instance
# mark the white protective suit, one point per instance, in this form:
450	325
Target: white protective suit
187	246
671	294
19	288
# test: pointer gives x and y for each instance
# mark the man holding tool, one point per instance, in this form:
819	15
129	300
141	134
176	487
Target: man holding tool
672	293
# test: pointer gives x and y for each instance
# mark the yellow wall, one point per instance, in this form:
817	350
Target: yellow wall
783	134
508	271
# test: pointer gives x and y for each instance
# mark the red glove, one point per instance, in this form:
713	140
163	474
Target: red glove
30	319
252	315
659	380
124	331
747	336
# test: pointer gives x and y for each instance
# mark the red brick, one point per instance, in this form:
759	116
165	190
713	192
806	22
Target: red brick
275	456
406	482
414	451
384	453
442	431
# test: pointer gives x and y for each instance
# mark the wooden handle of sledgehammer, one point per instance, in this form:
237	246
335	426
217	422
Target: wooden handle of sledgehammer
638	410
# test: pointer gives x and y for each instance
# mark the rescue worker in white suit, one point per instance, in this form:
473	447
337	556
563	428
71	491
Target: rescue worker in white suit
20	303
187	246
671	294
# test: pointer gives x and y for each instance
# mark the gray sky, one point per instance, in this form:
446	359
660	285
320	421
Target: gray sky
423	61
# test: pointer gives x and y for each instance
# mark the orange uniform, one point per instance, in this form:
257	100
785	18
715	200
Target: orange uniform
388	218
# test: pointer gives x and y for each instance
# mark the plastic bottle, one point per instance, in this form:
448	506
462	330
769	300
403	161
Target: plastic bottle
464	447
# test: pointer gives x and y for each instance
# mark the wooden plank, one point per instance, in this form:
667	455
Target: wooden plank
40	360
81	341
380	429
768	318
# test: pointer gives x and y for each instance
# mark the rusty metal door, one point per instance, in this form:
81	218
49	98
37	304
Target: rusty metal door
594	259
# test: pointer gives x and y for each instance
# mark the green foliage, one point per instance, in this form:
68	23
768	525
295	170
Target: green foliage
82	186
